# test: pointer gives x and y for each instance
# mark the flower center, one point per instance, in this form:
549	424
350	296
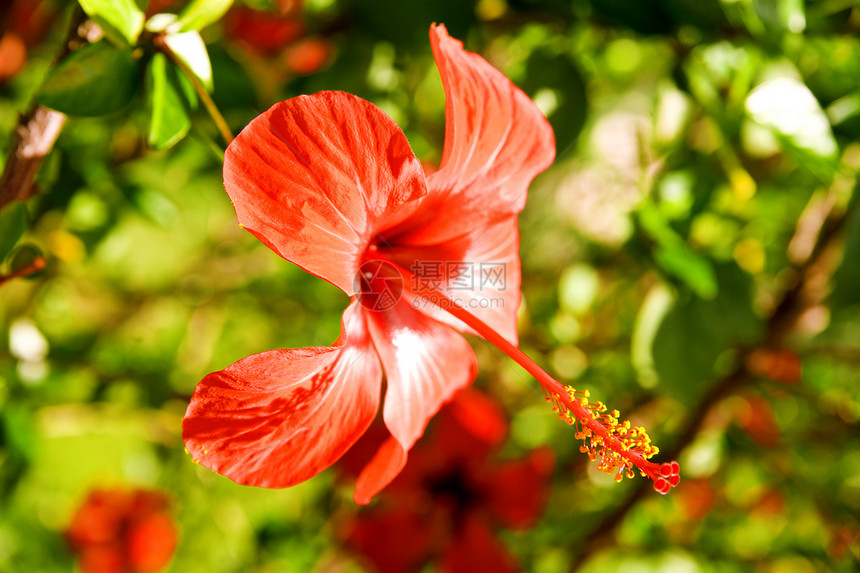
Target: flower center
378	285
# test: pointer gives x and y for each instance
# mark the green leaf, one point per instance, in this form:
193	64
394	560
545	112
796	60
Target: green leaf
18	431
674	257
787	107
170	99
694	334
96	80
200	13
691	268
13	224
121	20
846	279
655	224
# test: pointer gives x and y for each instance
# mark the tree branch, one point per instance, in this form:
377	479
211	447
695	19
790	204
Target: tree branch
35	134
34	138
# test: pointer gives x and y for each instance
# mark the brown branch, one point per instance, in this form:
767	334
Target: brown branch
34	138
35	134
37	265
794	301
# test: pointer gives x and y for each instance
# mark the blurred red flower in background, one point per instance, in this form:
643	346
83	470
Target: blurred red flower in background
755	415
780	365
277	36
154	7
451	495
23	24
264	33
120	531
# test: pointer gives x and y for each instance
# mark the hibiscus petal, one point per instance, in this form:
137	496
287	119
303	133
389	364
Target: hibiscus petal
278	418
496	142
316	177
385	465
479	270
426	364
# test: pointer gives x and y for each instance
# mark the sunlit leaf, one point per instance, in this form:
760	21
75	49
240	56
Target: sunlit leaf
121	20
96	80
657	303
13	224
577	288
170	99
788	107
672	114
162	23
200	13
190	48
782	15
792	15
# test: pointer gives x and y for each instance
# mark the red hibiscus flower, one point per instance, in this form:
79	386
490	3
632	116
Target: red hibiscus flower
329	182
117	531
451	495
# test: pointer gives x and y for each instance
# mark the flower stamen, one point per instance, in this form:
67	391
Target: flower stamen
614	444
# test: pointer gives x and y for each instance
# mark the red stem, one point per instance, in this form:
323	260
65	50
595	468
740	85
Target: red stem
37	265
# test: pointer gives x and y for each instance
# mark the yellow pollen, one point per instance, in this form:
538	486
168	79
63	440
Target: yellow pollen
621	436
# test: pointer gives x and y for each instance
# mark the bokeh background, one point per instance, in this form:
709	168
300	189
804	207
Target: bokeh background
692	258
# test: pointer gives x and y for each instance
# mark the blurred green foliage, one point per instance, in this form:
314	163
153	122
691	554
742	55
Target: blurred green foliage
677	260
